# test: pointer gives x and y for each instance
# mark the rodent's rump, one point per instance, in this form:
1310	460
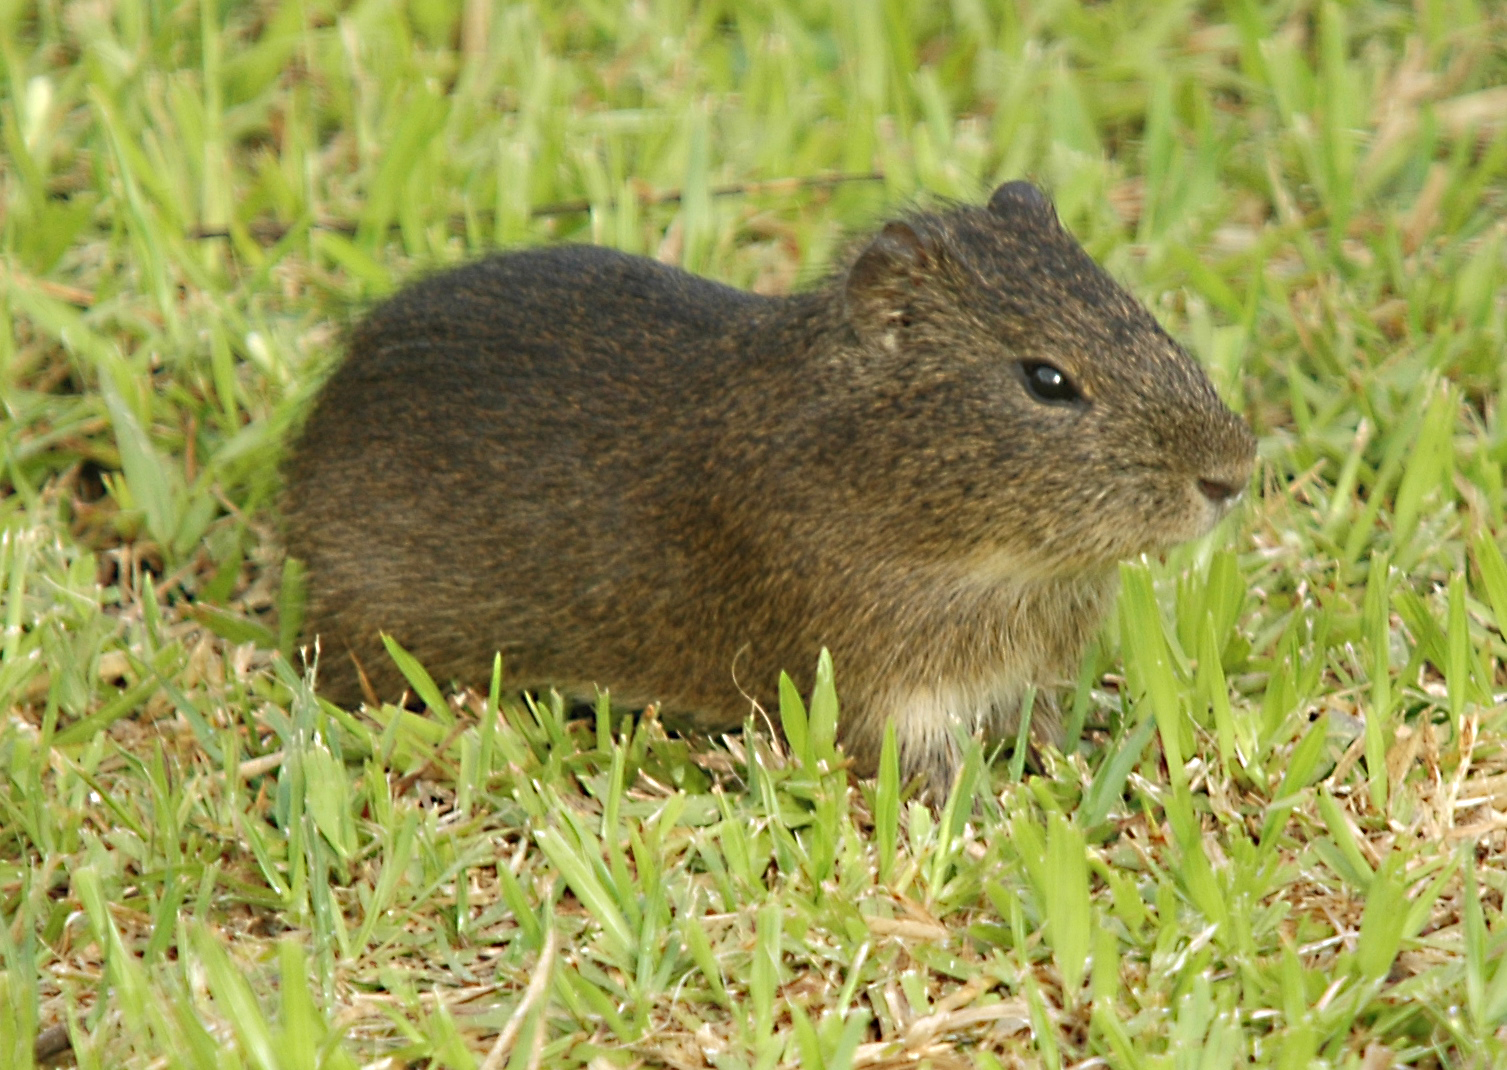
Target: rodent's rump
622	475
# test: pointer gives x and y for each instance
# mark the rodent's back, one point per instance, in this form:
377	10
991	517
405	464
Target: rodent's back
524	387
498	445
576	333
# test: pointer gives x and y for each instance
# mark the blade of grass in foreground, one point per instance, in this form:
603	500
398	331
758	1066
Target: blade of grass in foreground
887	805
422	683
1376	617
1069	926
1148	663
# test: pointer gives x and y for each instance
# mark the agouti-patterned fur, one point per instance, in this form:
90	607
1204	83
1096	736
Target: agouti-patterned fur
621	475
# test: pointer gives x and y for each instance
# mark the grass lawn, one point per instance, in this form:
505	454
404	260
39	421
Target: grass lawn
1276	838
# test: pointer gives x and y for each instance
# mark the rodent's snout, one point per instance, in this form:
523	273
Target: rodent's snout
1224	478
1213	493
1222	467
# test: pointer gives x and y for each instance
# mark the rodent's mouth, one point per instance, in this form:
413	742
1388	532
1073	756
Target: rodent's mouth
1207	510
1178	507
1153	511
1164	527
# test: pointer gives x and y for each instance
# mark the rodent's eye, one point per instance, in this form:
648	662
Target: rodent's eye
1049	384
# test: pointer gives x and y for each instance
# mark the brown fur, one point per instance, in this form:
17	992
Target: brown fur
619	474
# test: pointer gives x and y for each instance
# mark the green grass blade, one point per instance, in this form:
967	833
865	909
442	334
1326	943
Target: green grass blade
1069	922
419	678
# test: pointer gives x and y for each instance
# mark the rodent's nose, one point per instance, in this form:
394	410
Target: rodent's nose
1220	492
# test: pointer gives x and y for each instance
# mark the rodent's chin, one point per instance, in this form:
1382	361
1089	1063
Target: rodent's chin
1217	511
1093	549
1201	517
1198	518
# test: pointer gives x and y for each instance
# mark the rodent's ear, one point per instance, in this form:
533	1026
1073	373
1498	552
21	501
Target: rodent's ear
883	280
1014	199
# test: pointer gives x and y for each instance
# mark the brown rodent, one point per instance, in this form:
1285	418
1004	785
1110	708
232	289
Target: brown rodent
621	475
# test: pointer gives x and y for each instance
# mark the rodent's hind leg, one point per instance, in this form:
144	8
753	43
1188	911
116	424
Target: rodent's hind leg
932	728
930	736
935	763
1002	724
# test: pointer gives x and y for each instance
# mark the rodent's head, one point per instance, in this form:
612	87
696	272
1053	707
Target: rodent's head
1041	420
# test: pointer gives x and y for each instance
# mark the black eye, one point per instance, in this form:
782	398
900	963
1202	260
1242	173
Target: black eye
1049	384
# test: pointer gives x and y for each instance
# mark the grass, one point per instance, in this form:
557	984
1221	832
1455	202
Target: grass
1276	838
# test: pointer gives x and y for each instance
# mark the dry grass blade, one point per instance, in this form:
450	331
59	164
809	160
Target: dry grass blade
533	996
